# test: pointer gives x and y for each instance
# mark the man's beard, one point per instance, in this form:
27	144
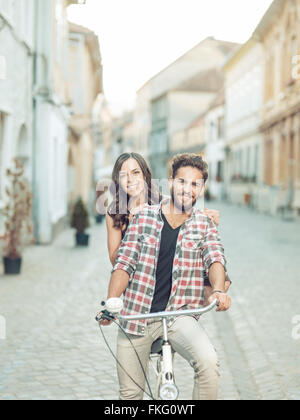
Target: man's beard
183	208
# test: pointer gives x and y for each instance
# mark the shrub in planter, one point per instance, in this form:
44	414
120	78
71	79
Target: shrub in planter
80	222
99	218
18	221
101	201
207	195
247	199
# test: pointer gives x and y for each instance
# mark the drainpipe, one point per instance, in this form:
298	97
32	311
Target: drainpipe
34	104
40	91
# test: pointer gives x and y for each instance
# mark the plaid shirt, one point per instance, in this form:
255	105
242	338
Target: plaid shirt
198	247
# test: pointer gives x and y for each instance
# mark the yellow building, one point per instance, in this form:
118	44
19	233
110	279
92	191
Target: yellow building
279	33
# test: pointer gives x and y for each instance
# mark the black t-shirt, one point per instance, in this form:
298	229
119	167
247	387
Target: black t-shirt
164	269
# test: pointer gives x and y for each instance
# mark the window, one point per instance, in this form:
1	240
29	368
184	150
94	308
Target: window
269	156
248	162
292	162
256	163
241	162
269	76
212	131
159	112
295	52
221	127
283	160
220	171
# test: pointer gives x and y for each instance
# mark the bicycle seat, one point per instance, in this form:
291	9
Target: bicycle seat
157	346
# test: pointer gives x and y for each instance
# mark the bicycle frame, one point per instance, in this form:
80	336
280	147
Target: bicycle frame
166	388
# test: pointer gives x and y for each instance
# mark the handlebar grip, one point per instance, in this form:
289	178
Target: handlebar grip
105	316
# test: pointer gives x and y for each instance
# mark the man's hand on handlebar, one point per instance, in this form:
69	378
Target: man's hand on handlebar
112	306
103	322
224	301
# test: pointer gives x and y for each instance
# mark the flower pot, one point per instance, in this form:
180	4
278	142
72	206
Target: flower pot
82	239
99	219
247	199
12	265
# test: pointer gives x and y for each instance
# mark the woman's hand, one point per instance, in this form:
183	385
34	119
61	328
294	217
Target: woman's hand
214	215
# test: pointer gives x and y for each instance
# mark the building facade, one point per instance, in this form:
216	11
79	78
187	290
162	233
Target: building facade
52	115
172	99
216	146
279	34
103	128
85	70
243	98
16	78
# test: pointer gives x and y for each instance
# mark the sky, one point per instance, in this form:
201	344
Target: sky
139	38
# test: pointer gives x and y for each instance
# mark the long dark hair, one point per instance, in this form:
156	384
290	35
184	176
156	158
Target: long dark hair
118	209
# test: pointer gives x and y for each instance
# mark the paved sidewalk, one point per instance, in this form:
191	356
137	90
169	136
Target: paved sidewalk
54	349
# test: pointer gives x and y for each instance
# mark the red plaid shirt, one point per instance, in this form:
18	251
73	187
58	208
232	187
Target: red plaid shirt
197	248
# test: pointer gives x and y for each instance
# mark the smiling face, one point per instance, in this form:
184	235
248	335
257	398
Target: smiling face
186	188
132	178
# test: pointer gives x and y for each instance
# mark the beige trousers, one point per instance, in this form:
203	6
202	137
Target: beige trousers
188	339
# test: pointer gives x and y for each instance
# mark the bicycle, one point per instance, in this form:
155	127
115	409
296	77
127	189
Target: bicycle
161	350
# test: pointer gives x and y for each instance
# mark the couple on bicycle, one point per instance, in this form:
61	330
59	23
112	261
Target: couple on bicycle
166	256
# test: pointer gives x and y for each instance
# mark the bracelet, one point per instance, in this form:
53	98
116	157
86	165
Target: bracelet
217	291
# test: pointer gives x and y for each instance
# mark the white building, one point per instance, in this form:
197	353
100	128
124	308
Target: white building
16	71
103	126
85	84
170	101
34	104
51	104
142	120
244	95
215	145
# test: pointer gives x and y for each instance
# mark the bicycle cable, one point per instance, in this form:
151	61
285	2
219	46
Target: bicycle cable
140	362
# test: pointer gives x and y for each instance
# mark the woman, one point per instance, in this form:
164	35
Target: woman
133	188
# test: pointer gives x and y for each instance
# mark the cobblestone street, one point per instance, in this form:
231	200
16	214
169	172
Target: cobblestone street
54	349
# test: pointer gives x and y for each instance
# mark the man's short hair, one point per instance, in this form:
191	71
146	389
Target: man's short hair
189	159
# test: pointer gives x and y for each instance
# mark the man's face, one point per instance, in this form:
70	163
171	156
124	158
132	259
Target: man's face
186	188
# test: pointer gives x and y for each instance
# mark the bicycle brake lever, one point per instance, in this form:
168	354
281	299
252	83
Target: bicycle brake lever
107	316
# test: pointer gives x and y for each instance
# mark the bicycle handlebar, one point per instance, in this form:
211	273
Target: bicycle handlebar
170	314
166	314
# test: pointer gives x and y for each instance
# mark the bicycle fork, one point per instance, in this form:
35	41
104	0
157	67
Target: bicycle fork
168	389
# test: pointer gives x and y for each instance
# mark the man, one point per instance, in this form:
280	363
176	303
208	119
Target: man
161	265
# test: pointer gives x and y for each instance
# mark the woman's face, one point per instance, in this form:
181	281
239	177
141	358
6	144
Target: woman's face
131	178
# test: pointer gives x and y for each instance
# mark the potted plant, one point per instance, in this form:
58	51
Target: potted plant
247	198
18	221
101	201
80	222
